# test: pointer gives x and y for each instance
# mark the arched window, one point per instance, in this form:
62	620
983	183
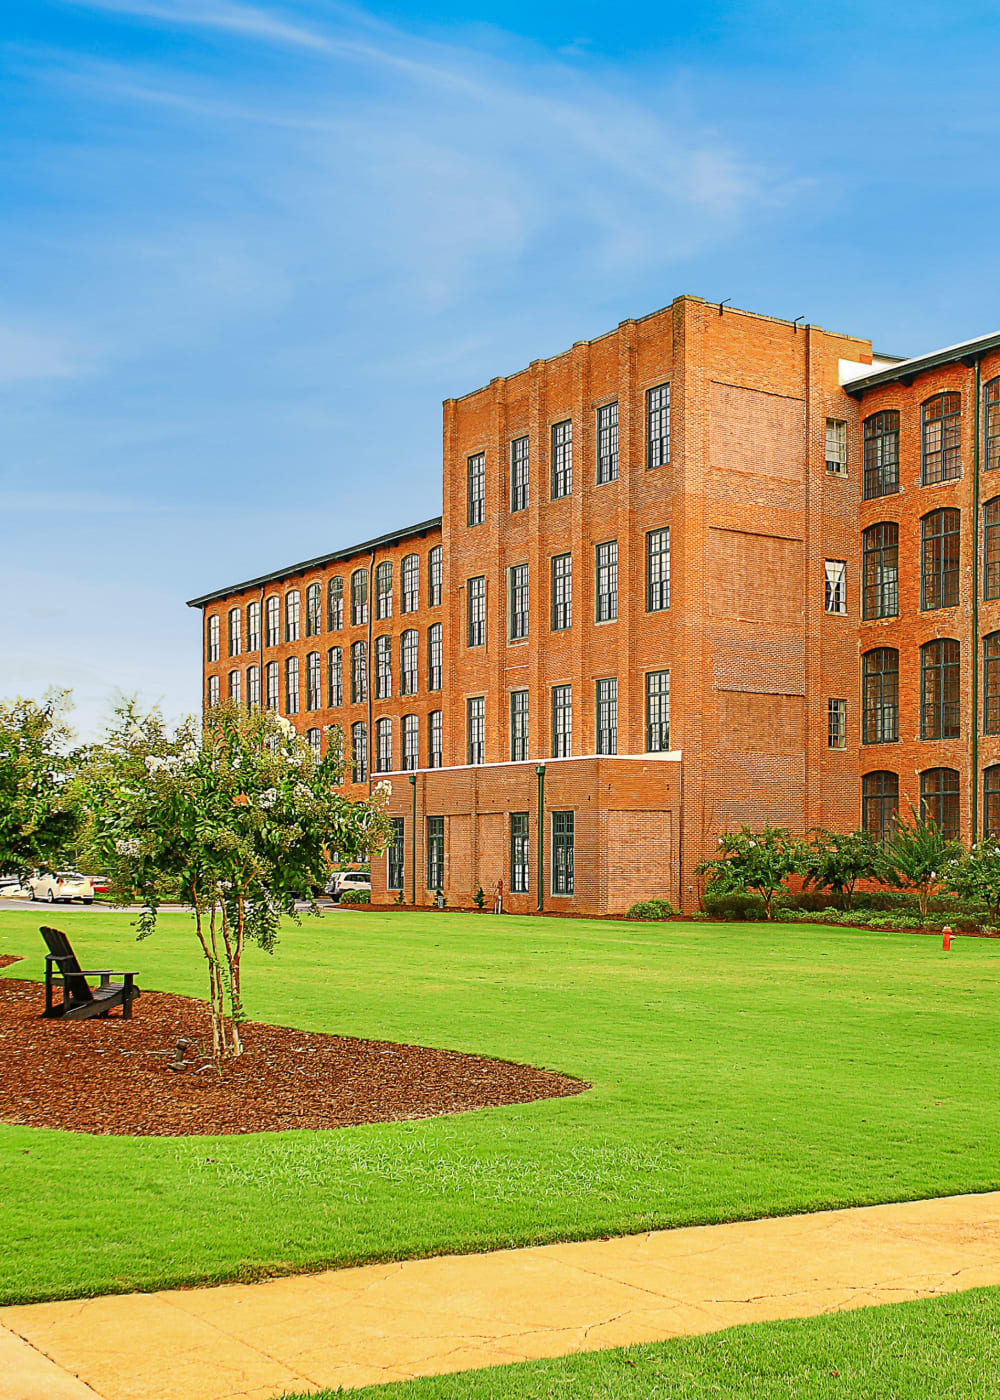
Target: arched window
314	610
253	686
359	752
408	646
271	682
941	438
335	676
881	454
383	668
212	638
435	657
235	631
292	616
272	621
939	800
435	739
409	574
314	681
359	673
879	802
940	689
434	577
335	605
235	687
939	559
991	800
991	548
253	627
880	695
991	683
991	425
213	691
880	565
314	739
292	685
359	598
411	741
383	745
383	590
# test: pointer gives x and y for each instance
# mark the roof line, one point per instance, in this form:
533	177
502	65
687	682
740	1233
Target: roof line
393	537
907	370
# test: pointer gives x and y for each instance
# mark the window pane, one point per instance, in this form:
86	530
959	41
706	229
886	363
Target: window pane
658	426
562	459
607	443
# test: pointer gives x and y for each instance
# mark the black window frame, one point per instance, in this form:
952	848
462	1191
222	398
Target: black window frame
880	570
520	474
520	853
314	609
940	800
658	569
879	795
880	449
606	715
409	583
435	739
359	751
395	855
880	696
562	459
293	615
991	800
409	662
335	676
606	441
383	667
563	829
658	711
991	424
476	611
435	853
335	604
941	438
518	710
410	740
435	656
658	426
359	598
383	744
314	681
941	689
991	683
253	626
475	730
606	582
435	576
518	602
991	549
359	672
940	559
272	620
293	686
562	720
475	489
383	590
561	575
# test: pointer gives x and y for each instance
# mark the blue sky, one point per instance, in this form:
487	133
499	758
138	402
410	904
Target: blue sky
249	248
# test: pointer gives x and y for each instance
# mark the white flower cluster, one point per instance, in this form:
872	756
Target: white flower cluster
128	846
267	798
163	765
285	725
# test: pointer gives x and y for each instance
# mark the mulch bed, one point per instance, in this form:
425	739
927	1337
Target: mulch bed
114	1076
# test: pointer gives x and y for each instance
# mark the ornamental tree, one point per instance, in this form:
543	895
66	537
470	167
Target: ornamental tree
756	861
38	811
975	875
838	860
239	816
917	856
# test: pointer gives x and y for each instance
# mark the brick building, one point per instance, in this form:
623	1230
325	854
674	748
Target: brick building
711	567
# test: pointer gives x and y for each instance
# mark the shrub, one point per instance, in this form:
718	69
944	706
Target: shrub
356	897
757	861
738	907
651	909
479	898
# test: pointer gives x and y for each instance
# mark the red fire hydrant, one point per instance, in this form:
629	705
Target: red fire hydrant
946	938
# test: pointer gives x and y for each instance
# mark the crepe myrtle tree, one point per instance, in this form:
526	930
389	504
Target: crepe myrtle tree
975	875
837	860
756	861
38	811
916	855
238	815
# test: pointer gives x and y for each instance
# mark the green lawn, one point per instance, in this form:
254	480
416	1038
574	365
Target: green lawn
948	1348
739	1071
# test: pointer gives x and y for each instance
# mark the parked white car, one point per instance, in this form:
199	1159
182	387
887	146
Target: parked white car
343	880
62	887
11	888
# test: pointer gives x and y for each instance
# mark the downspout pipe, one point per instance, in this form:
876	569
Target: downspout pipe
413	839
974	803
369	672
540	773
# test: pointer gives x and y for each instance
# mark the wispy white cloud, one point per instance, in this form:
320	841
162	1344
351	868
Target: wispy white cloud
36	352
248	21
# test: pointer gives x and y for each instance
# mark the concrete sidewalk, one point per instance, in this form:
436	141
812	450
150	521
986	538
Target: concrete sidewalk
384	1322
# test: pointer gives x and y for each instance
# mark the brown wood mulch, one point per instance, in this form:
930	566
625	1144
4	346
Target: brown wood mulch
114	1076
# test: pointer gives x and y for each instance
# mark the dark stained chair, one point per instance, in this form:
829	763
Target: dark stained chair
80	1001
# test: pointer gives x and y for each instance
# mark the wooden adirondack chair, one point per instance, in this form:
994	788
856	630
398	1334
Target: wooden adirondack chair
80	1001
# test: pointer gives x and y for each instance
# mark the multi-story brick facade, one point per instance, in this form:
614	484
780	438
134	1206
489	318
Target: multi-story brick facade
645	619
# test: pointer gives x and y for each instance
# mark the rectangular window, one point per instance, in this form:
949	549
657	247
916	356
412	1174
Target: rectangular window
335	604
212	644
991	425
314	610
272	681
881	454
939	559
359	598
475	710
396	854
383	668
383	745
409	662
411	742
213	691
606	557
658	426
272	622
517	602
253	627
235	631
562	592
435	657
880	696
315	741
253	686
292	616
476	489
880	570
476	604
314	681
607	716
657	711
991	549
836	586
562	459
409	582
235	686
518	725
383	590
434	577
940	689
607	443
519	474
359	673
435	739
359	752
836	447
991	796
435	853
562	852
836	724
335	676
292	685
658	570
941	438
519	853
562	721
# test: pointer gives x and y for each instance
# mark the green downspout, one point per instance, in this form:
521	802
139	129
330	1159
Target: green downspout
413	839
975	610
540	771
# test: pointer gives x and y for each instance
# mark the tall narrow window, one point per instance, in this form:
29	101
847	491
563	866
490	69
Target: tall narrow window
335	676
411	742
991	425
519	494
836	446
879	802
272	682
940	689
359	752
991	548
212	634
658	570
359	598
395	855
658	426
518	726
881	454
272	621
476	489
606	556
435	739
880	695
880	567
836	724
383	590
314	681
359	673
409	679
409	582
562	721
657	711
991	683
836	586
435	657
941	438
475	708
383	745
292	616
562	592
315	741
562	459
335	604
314	610
383	668
607	715
213	691
939	792
253	686
292	685
476	611
435	853
517	602
235	631
519	852
939	559
607	443
563	835
991	801
434	577
253	627
235	687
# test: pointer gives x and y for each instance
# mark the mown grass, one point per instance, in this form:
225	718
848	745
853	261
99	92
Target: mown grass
738	1071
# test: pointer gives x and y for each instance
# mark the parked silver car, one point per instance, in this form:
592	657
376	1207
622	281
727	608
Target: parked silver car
343	880
62	887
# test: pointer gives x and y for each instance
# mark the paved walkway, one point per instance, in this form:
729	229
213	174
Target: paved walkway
384	1322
